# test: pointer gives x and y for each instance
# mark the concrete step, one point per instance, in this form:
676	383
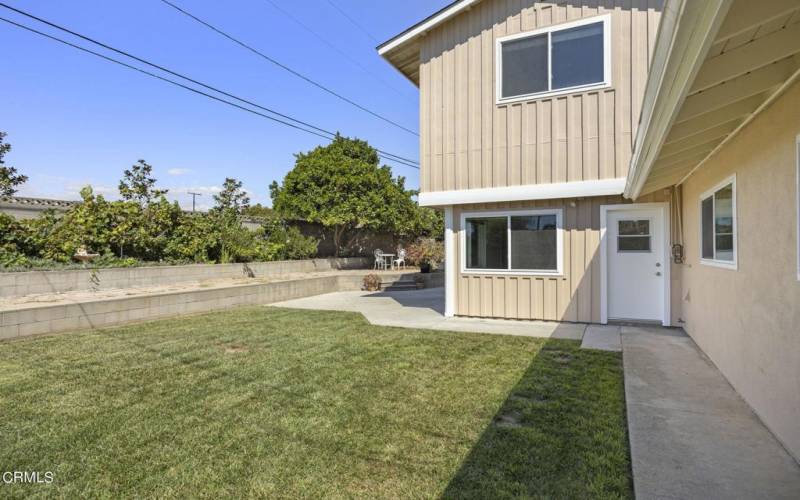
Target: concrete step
401	280
400	286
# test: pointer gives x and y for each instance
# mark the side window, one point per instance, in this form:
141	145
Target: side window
718	225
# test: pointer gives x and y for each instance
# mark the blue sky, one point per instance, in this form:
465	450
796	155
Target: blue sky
74	119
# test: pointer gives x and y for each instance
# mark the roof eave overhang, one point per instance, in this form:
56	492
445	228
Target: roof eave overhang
390	47
685	34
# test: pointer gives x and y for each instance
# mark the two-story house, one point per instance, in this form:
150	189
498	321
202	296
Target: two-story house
609	160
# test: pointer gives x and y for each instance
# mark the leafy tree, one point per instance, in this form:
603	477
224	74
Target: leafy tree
427	222
232	197
286	242
258	210
138	184
195	239
88	223
9	178
343	187
14	241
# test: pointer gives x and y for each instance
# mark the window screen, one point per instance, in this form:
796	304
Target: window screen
533	242
525	66
707	220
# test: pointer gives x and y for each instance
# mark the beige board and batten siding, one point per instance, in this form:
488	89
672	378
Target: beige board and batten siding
572	296
468	141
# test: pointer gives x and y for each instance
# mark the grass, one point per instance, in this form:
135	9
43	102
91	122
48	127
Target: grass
282	403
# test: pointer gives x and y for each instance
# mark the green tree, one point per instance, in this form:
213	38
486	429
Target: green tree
138	184
343	187
9	178
89	223
258	210
232	197
287	242
195	239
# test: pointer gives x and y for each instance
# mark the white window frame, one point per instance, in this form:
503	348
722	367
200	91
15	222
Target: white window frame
605	19
797	163
558	212
725	264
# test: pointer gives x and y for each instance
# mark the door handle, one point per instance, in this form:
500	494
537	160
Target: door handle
658	264
658	273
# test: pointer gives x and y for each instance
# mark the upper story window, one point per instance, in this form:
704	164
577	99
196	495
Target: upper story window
559	59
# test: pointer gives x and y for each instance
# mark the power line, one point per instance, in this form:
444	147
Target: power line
333	47
319	131
353	22
287	68
185	87
162	68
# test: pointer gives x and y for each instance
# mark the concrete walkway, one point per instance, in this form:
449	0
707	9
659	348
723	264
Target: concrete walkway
691	434
602	338
425	309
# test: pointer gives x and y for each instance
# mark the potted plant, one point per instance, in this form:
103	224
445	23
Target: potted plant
425	253
372	282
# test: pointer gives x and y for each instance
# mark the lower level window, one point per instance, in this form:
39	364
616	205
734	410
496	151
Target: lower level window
518	241
718	224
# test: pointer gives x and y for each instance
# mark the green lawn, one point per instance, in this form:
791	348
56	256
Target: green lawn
284	403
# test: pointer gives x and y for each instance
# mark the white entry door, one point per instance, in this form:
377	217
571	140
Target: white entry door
636	264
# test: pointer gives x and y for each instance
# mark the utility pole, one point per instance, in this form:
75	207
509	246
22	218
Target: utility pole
194	197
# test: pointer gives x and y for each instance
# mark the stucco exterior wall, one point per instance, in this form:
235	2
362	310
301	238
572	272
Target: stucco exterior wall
468	141
573	296
748	320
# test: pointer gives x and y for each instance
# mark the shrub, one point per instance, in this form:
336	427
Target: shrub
194	240
14	236
288	243
126	233
425	251
372	282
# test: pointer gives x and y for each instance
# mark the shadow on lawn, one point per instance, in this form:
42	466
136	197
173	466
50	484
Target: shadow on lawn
561	432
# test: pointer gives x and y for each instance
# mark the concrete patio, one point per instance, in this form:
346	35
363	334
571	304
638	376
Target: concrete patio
425	309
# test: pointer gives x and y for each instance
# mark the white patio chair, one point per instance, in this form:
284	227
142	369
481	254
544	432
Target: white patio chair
379	261
401	258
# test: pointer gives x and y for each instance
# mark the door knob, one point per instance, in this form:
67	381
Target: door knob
658	264
658	273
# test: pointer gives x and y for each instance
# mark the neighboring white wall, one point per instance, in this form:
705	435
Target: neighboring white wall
747	320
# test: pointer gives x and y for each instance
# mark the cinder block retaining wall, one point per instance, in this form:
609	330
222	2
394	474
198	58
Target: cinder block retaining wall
116	311
35	282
